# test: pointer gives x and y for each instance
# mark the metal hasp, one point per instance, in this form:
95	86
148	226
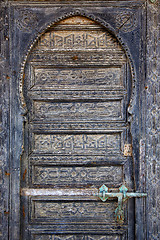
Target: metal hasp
122	196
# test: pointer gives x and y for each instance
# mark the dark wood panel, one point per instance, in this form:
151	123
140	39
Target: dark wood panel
78	111
75	176
69	212
76	78
77	143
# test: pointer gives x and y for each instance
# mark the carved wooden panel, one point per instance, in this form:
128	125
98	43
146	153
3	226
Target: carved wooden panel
93	110
73	212
76	237
77	143
77	78
77	176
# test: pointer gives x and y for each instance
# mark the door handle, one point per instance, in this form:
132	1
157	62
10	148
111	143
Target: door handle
122	196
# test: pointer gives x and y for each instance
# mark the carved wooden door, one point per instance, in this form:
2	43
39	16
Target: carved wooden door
76	111
77	88
79	120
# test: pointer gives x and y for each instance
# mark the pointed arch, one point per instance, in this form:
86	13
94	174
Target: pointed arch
94	18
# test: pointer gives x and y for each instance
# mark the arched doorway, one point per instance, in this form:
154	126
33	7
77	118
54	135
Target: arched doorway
77	88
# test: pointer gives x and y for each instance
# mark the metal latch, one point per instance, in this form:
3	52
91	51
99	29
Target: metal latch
122	196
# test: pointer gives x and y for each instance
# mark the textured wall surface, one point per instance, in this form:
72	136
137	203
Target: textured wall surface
153	122
4	124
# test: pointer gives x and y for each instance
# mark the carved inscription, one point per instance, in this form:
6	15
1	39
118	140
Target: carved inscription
77	144
74	212
76	237
78	77
77	40
78	110
77	175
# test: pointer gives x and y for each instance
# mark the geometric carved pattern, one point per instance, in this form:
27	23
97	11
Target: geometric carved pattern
76	237
78	110
78	143
76	40
74	211
76	77
77	175
153	123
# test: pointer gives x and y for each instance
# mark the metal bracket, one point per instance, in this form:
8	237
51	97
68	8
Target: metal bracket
127	150
122	196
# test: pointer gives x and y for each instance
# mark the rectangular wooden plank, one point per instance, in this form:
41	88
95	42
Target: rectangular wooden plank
77	143
50	175
77	78
79	110
78	212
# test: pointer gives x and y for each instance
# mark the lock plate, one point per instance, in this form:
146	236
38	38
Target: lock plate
102	193
127	150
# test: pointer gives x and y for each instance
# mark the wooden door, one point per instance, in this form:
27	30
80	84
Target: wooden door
74	113
102	57
77	88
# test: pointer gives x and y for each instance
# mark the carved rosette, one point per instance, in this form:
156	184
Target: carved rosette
26	21
127	21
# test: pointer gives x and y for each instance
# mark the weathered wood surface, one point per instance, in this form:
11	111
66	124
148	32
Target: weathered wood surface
79	110
69	73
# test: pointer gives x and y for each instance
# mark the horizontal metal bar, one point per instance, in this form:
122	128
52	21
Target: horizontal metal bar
59	192
136	194
75	192
129	195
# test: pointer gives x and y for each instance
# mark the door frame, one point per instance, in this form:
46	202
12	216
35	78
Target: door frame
13	118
